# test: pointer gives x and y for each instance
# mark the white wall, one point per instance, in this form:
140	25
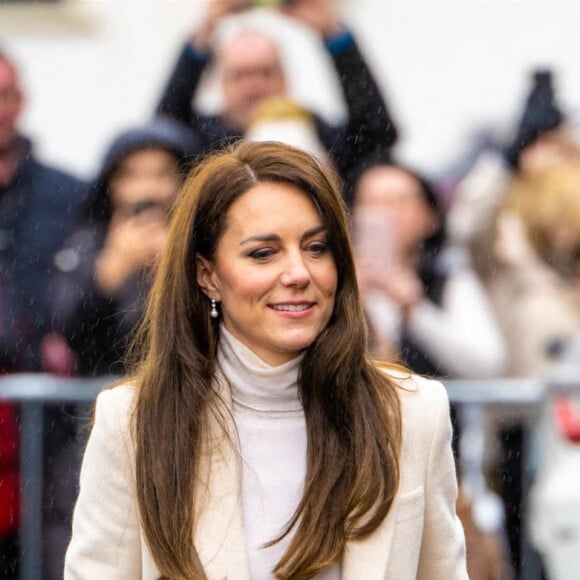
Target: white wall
447	67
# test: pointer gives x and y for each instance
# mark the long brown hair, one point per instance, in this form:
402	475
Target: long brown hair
352	409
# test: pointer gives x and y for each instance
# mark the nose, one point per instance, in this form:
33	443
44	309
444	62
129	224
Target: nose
295	272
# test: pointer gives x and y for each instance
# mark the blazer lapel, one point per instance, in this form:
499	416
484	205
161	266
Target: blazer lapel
368	558
219	538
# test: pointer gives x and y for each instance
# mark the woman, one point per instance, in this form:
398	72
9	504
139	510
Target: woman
104	269
255	438
424	302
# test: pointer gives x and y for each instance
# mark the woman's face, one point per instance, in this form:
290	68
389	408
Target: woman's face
273	272
397	195
146	176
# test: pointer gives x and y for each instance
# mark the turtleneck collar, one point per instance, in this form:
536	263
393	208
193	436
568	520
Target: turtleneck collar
256	385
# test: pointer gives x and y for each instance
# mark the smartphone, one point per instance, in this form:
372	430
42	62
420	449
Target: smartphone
373	237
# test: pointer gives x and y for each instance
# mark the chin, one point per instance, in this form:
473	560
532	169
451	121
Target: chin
299	342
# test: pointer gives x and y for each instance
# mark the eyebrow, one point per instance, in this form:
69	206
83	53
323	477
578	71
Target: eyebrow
276	238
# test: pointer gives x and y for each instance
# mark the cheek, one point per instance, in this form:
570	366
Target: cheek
412	225
328	280
333	281
167	187
239	283
229	281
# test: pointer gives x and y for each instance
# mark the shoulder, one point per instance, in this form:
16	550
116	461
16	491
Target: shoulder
56	174
110	444
415	389
118	398
424	404
57	185
114	408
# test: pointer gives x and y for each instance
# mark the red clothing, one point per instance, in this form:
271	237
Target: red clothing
9	488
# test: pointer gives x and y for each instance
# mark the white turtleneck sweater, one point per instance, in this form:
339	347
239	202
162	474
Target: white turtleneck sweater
272	438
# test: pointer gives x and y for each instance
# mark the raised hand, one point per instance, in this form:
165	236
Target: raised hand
317	14
216	11
398	282
132	244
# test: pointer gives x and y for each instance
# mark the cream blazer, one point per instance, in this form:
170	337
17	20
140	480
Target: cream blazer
421	537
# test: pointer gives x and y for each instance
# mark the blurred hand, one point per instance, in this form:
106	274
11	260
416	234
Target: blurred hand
57	356
132	244
512	246
317	14
399	282
216	11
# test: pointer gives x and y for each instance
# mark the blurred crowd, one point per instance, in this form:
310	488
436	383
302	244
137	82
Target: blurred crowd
485	285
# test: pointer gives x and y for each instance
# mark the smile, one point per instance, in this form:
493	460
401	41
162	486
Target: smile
292	307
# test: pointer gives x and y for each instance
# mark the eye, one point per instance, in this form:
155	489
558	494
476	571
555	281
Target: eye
261	254
318	248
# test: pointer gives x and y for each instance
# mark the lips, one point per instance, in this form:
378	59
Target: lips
292	307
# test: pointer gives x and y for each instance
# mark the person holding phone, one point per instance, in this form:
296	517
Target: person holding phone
250	69
425	304
104	268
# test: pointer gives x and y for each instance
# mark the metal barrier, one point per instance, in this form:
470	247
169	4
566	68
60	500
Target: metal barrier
32	391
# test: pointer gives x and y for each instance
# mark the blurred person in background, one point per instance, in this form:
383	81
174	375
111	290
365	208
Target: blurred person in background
425	304
250	69
105	266
38	210
535	288
535	305
543	138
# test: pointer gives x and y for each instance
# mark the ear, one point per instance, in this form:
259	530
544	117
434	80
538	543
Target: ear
207	278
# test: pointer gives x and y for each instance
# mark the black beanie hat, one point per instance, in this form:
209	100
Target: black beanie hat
541	114
158	133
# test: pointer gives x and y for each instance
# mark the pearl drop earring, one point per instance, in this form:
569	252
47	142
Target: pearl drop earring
214	311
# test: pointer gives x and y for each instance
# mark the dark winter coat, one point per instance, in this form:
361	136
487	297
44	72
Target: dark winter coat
38	211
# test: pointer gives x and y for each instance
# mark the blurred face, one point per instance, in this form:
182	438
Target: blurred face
10	103
251	71
397	195
147	178
273	272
